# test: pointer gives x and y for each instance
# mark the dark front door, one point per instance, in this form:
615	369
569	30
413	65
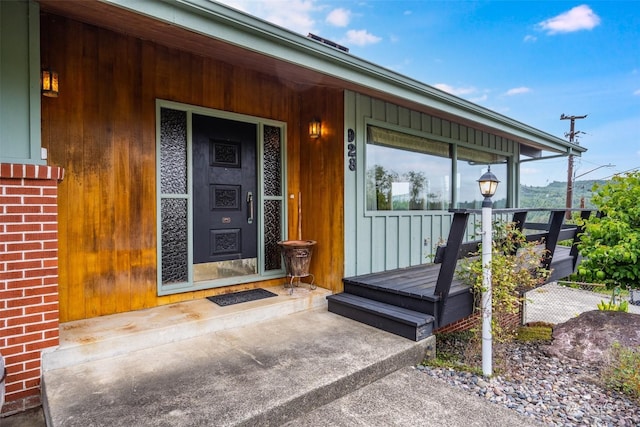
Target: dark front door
224	193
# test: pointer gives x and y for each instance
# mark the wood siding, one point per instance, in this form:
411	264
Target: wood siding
101	129
386	240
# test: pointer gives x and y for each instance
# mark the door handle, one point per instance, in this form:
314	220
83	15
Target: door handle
250	207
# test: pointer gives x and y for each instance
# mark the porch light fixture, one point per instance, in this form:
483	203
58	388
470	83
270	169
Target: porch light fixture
488	186
49	83
315	128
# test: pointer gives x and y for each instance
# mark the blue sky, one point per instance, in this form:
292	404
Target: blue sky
529	60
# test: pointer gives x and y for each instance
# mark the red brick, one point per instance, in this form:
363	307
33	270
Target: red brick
11	218
41	308
42	218
54	298
10	256
9	350
40	327
25	375
11	275
42	272
24	246
50	227
41	236
24	227
25	283
53	244
16	330
40	254
31	191
25	320
51	263
51	315
23	209
24	302
40	345
22	358
50	209
11	294
42	290
15	312
54	333
10	200
29	200
24	265
35	362
11	237
24	339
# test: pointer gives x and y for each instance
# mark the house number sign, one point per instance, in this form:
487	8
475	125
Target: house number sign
351	149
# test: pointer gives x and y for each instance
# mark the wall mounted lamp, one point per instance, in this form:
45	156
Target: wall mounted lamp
49	83
315	128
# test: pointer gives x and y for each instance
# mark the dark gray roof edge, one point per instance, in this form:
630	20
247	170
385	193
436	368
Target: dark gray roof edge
249	32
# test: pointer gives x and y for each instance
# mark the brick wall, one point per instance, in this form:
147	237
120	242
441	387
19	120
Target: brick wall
28	277
507	322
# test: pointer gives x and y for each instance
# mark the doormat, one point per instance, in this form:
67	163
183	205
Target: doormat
242	296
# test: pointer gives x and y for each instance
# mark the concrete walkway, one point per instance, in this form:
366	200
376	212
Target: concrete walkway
281	371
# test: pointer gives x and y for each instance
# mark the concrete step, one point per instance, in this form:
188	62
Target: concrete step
267	373
108	336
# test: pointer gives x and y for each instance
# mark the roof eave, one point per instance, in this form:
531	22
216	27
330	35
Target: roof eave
248	32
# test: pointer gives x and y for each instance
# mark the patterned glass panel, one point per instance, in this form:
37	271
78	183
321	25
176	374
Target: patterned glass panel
173	151
272	234
174	240
272	161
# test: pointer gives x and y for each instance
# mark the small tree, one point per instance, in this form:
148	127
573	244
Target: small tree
610	244
515	268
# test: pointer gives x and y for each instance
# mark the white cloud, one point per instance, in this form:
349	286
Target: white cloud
361	38
579	18
407	13
339	17
637	92
295	15
518	91
458	91
530	39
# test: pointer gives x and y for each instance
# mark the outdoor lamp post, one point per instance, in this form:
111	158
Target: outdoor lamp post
488	186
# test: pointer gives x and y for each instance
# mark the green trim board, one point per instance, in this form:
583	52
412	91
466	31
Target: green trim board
188	284
20	134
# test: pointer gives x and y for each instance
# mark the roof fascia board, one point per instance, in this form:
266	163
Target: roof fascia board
229	25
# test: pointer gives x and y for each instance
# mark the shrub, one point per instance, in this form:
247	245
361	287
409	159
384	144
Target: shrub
610	244
623	372
515	268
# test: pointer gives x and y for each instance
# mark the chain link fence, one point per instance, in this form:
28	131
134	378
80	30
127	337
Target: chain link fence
560	301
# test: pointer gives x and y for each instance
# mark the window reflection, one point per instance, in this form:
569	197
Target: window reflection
406	172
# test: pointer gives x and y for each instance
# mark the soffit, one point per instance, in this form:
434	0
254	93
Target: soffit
361	76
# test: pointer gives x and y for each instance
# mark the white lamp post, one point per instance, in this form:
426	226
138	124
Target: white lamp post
488	186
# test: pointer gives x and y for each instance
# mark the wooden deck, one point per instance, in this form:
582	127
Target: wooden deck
413	301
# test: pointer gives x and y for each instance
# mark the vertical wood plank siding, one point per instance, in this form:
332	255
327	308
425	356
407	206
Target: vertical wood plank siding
379	241
101	130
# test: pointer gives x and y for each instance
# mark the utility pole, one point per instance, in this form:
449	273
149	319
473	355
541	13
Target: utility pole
572	133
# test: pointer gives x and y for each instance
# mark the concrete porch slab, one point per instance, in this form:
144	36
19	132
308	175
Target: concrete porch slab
108	336
266	373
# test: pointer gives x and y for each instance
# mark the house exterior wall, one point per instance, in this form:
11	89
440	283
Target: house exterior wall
385	240
101	129
19	83
28	276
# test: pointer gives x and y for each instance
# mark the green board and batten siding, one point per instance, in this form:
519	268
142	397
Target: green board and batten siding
384	240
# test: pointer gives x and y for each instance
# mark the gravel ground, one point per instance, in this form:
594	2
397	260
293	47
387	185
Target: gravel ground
552	391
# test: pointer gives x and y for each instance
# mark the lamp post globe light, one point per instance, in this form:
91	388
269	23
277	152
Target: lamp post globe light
488	185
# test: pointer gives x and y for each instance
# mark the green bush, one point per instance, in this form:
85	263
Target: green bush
623	373
515	268
610	244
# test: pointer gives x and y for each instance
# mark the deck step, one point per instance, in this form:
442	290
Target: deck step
409	324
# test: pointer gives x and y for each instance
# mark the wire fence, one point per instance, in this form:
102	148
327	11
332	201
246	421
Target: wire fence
560	301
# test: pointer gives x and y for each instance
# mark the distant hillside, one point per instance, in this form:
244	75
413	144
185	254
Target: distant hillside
554	195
